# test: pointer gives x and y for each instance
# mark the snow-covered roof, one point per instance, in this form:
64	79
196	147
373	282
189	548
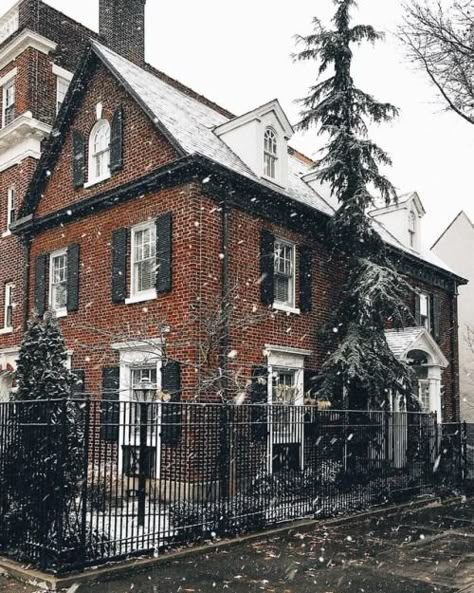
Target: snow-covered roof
401	341
192	125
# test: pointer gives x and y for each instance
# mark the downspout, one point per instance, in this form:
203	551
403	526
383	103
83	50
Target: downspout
26	282
226	305
455	355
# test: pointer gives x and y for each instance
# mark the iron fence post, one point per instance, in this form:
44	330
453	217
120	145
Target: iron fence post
224	460
85	484
142	464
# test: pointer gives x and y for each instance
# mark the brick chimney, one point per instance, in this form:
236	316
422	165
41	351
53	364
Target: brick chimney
122	27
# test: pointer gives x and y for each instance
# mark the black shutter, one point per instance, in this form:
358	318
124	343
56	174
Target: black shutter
306	279
417	309
40	283
171	411
119	265
78	385
259	397
164	256
436	316
116	141
73	263
78	159
267	266
110	407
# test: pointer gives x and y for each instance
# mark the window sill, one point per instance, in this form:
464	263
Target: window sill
95	181
6	234
59	313
149	295
6	330
286	308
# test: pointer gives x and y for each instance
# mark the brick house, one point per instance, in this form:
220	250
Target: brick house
40	48
151	205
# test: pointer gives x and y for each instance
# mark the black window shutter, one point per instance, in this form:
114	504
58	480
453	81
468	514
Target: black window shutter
78	159
436	316
259	396
417	309
171	411
119	265
164	256
73	263
267	266
40	283
78	385
116	141
306	279
110	407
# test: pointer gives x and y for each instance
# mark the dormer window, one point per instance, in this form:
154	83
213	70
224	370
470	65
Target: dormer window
412	229
270	154
99	152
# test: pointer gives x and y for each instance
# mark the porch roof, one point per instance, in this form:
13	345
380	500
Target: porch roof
402	341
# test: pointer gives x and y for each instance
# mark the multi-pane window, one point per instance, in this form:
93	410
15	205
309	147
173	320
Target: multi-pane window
11	206
412	228
9	95
99	147
425	312
143	259
8	310
284	266
58	281
62	86
270	154
284	387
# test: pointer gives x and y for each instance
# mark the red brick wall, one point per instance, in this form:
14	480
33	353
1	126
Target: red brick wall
144	148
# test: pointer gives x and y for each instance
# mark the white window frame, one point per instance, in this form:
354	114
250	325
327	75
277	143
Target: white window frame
412	228
62	86
143	295
270	156
11	208
290	305
61	311
421	297
93	155
8	290
8	84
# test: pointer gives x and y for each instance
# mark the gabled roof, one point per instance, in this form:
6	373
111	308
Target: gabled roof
189	124
413	196
402	341
256	114
457	218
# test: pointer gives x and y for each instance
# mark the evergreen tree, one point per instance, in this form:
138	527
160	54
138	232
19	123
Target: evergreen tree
360	365
45	455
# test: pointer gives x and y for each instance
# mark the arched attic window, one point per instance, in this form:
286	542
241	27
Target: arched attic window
270	153
99	151
412	228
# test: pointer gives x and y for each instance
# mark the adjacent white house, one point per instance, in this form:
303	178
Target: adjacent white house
456	247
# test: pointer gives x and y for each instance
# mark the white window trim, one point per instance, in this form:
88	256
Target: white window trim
9	286
92	180
5	85
62	73
428	303
145	295
288	307
58	80
276	156
6	79
63	311
11	188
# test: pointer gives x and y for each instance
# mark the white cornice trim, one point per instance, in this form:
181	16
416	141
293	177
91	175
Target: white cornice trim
25	40
288	350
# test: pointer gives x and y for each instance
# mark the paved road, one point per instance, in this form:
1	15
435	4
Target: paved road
426	551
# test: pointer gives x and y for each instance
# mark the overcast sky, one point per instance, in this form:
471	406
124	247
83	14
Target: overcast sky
239	55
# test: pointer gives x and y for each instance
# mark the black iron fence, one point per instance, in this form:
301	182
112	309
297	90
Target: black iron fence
85	481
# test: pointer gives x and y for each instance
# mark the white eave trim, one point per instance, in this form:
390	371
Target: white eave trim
25	39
